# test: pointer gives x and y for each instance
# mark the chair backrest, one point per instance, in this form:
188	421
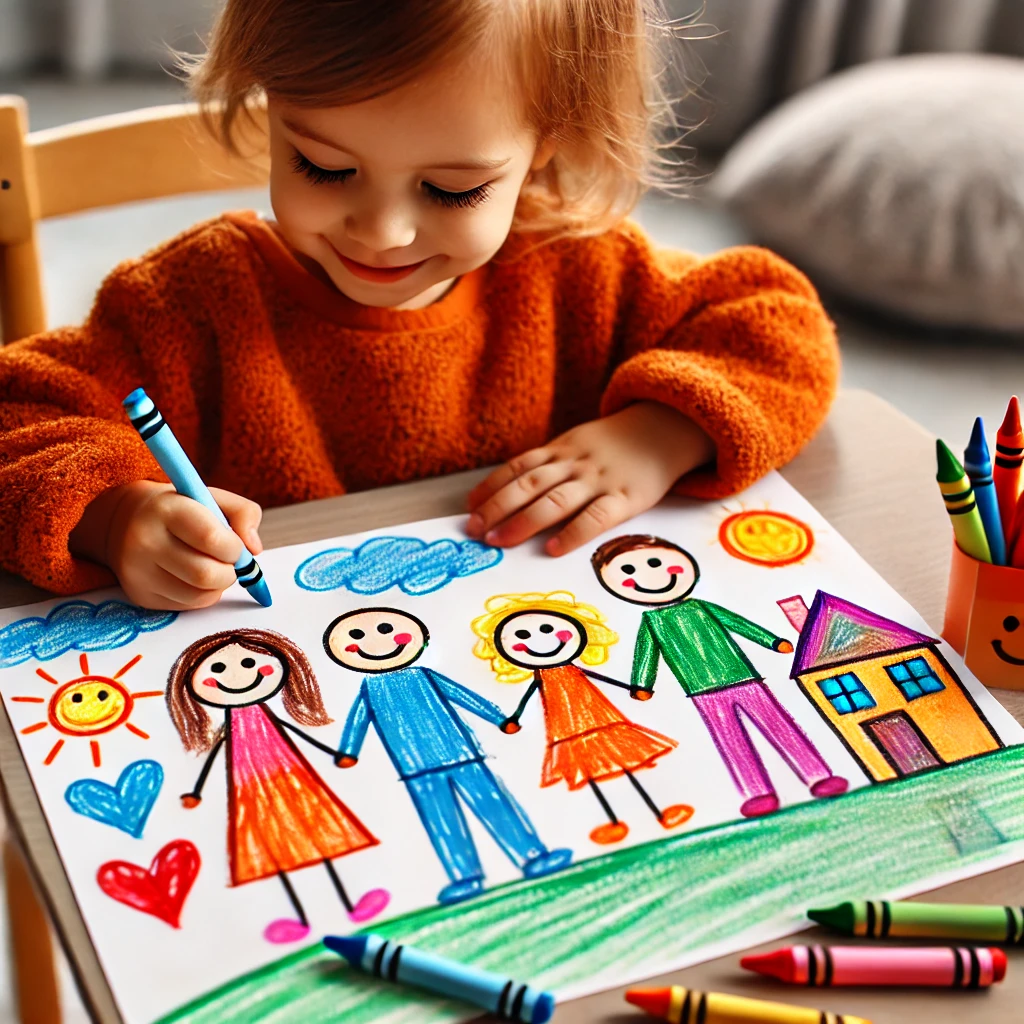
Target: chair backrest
104	161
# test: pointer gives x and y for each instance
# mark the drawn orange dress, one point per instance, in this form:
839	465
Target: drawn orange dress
588	738
281	815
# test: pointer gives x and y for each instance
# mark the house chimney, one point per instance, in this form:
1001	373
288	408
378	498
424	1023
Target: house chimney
795	609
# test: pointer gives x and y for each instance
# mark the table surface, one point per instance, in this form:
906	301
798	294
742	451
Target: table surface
869	472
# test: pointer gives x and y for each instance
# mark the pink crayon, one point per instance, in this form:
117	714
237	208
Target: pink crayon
936	966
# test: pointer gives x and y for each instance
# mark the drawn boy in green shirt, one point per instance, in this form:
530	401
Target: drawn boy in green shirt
694	639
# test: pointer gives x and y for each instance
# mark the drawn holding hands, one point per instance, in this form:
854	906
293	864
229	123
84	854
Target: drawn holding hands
596	476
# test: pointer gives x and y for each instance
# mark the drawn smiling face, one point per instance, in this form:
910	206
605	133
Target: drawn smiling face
1010	625
540	639
89	706
233	676
650	575
375	639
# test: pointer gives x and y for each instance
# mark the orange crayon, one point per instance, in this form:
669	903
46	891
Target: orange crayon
1015	537
680	1005
1008	468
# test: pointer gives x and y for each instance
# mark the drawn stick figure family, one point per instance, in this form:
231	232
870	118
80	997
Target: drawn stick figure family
283	817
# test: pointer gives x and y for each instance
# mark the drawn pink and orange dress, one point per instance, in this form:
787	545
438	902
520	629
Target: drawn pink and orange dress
281	816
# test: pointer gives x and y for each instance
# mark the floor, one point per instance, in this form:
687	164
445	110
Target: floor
942	380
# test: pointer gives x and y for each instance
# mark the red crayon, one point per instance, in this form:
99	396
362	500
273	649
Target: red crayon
937	966
1015	537
1008	465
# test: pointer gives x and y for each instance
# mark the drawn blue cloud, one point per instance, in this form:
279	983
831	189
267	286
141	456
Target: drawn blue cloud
77	626
413	565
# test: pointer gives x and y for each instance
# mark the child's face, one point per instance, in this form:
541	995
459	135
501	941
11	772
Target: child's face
655	575
375	639
540	639
379	184
233	676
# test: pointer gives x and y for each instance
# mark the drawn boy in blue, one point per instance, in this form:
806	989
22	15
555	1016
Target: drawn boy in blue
437	755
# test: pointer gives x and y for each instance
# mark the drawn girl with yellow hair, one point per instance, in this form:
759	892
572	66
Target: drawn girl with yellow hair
539	637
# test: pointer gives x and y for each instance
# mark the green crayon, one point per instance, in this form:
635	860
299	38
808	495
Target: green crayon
880	919
958	494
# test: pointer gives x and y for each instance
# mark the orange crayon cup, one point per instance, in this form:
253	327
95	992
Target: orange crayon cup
985	619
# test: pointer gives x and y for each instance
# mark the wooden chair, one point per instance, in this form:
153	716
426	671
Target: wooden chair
105	161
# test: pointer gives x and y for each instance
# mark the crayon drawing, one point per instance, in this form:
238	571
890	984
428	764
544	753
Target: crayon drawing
764	537
539	637
437	756
884	688
161	889
412	565
694	639
127	804
281	816
77	626
87	706
577	771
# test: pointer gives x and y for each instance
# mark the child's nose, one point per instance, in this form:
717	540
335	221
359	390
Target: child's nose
564	635
403	638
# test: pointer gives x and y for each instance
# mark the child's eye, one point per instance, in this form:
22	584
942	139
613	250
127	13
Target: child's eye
318	175
461	200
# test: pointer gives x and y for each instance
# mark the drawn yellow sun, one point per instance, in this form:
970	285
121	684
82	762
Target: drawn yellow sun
766	538
87	706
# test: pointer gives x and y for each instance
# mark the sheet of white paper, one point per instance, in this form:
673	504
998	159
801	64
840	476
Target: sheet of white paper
154	968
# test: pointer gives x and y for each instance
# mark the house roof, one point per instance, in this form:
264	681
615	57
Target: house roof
838	631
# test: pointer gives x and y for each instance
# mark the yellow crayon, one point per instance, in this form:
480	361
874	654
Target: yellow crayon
680	1005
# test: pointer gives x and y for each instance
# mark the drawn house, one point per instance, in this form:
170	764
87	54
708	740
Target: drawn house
884	688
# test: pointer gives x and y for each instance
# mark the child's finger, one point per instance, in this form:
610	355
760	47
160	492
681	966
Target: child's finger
243	515
504	474
198	528
601	514
176	591
516	494
547	510
194	568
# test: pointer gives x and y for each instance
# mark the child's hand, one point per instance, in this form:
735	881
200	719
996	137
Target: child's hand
601	473
510	726
167	550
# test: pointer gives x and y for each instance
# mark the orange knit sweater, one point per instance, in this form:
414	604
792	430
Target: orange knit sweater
281	389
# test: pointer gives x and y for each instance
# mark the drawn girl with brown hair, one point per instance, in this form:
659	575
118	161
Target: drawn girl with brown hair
281	816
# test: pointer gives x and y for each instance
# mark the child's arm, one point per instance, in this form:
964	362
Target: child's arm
511	724
467	698
354	732
736	623
713	372
80	497
605	679
194	798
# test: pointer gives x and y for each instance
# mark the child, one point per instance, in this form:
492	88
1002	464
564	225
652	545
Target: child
539	637
448	283
282	816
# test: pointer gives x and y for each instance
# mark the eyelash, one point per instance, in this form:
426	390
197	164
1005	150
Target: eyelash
453	200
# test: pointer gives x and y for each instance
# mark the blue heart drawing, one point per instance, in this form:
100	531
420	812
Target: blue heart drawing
125	806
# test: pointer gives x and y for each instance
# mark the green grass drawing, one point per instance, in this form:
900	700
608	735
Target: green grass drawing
607	915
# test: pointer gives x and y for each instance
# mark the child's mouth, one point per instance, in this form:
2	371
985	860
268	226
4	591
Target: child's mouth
381	275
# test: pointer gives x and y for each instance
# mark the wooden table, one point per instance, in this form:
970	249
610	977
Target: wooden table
869	472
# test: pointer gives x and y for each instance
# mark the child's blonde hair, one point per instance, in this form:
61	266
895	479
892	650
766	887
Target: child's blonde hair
591	73
599	636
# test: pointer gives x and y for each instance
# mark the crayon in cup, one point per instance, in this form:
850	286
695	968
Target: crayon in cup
978	464
936	966
680	1005
880	919
503	997
1008	472
170	456
958	494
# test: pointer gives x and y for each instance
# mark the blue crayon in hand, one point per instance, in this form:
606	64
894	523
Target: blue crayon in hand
978	464
382	958
171	458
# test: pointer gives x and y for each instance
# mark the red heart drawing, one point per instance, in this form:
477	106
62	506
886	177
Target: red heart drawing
160	891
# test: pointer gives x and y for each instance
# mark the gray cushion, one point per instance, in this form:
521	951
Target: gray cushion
898	183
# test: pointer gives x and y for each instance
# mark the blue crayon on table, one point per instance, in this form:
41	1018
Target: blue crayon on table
978	463
171	457
383	958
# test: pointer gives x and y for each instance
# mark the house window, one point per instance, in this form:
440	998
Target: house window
915	678
846	693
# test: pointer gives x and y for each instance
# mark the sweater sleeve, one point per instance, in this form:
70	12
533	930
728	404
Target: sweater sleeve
64	438
738	342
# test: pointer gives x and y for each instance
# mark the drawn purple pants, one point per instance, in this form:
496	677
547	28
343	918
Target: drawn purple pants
721	709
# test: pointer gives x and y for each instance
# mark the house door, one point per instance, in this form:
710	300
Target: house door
901	743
